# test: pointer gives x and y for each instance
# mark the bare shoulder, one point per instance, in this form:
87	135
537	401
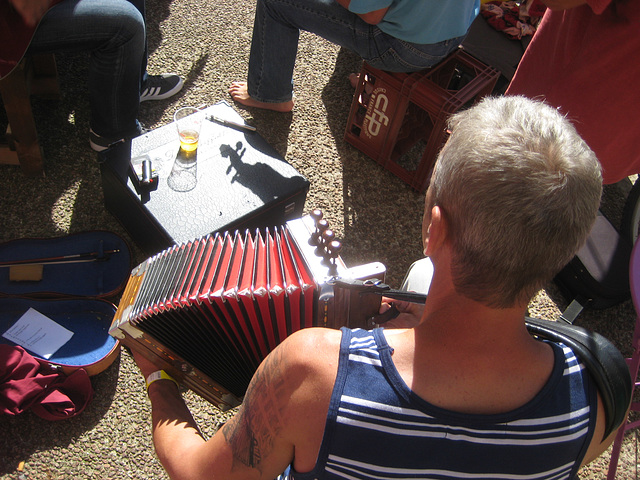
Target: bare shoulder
313	342
306	357
313	355
598	442
292	387
309	358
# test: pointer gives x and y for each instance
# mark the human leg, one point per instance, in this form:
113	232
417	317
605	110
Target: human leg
113	32
329	20
275	42
274	48
141	6
154	87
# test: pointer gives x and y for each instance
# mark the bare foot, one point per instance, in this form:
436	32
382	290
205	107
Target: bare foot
238	92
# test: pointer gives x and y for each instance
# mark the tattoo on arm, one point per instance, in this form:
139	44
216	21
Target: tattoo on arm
252	431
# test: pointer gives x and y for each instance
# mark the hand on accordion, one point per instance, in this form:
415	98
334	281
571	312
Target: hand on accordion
146	366
403	314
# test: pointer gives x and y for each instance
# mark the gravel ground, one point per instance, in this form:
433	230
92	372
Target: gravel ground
375	214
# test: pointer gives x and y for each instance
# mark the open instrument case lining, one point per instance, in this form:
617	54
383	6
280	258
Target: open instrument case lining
81	274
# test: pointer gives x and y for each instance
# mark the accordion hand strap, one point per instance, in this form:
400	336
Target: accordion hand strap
377	287
603	360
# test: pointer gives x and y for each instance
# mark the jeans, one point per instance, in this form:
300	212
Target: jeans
276	31
113	32
140	5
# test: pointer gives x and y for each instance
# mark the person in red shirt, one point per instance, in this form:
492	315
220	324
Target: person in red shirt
583	59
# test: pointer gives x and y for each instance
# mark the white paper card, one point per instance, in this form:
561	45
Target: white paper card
38	333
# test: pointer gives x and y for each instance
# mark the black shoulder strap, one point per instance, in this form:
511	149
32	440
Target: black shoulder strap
603	360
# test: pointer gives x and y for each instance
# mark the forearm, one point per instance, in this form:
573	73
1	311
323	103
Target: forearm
175	433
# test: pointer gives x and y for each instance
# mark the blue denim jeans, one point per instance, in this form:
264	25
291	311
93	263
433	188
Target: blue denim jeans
113	32
276	31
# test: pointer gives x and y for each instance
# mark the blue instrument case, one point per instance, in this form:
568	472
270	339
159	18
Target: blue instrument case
73	280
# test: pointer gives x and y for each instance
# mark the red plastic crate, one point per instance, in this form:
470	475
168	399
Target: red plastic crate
399	119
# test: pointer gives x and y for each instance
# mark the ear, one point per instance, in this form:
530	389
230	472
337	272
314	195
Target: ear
437	231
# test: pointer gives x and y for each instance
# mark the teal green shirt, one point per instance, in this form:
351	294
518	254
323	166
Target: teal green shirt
422	21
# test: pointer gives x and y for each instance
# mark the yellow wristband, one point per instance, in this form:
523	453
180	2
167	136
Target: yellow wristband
160	375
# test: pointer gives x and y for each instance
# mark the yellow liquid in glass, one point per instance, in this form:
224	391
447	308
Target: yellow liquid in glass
189	140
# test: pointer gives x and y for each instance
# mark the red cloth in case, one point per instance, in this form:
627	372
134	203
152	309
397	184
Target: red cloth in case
26	384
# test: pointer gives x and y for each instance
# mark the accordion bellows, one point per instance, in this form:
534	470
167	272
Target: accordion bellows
210	310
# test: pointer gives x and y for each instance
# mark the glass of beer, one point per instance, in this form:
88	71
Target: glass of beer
188	120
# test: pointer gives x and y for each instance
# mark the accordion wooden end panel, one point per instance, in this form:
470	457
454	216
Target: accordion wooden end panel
210	310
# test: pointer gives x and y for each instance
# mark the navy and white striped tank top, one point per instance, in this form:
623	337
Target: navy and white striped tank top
377	428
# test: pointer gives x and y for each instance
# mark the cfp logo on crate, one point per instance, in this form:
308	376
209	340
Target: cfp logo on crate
376	116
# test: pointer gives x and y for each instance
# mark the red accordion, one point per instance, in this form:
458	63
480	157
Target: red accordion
210	310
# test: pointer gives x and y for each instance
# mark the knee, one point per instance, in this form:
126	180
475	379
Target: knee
125	20
132	22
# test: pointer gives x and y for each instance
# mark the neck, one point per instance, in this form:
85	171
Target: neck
470	358
450	318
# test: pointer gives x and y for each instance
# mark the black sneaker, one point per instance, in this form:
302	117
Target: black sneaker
99	143
159	87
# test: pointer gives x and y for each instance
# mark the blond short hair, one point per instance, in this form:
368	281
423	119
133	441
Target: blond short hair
520	191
